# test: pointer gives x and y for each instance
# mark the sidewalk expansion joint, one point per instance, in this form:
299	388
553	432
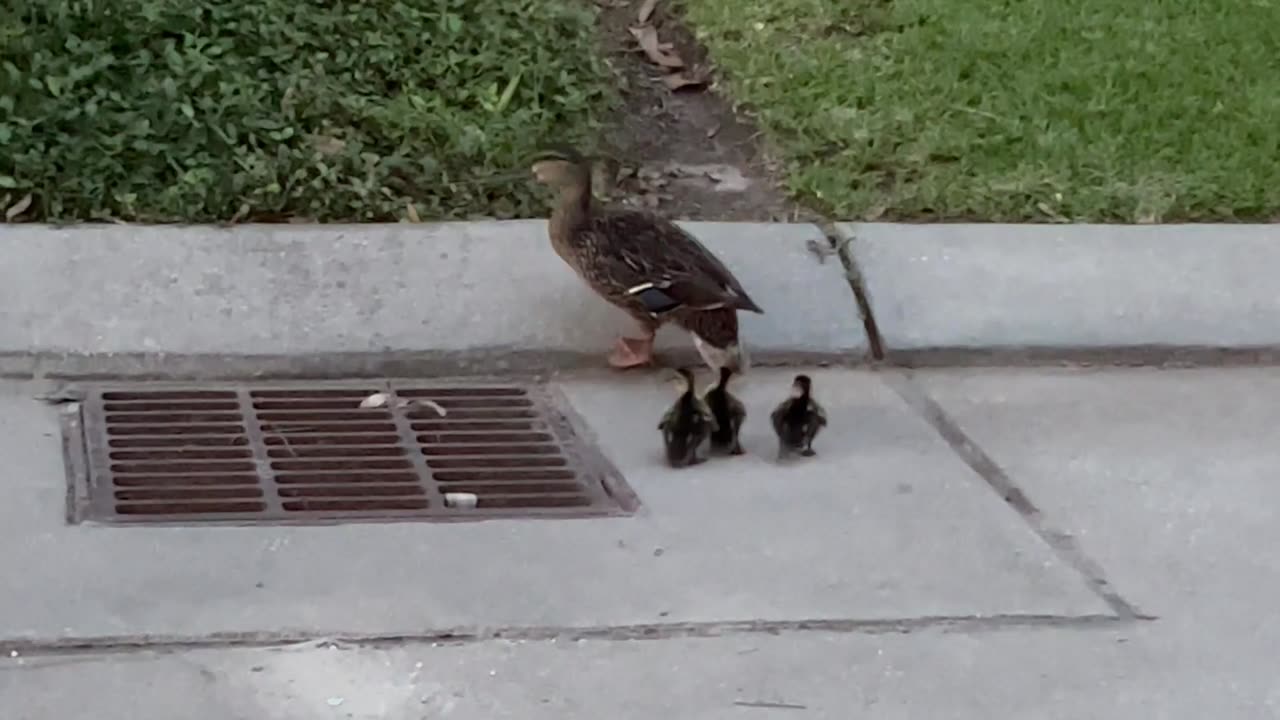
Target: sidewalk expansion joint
1062	543
958	624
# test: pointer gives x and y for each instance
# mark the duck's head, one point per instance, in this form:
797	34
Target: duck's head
560	168
801	386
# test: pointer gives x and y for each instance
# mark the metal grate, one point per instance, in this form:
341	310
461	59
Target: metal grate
311	453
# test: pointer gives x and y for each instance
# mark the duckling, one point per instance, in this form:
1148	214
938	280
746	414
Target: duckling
646	265
798	419
729	413
687	424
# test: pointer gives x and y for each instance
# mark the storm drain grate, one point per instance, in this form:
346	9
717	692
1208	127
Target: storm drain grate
282	453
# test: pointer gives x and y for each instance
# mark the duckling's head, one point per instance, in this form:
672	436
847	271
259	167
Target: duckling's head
561	168
682	380
801	386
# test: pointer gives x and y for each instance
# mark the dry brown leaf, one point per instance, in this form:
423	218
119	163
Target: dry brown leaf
647	36
241	213
646	10
18	208
412	212
328	145
676	81
1047	210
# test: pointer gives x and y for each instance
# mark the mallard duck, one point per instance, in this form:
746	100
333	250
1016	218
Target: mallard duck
798	419
729	413
687	424
646	265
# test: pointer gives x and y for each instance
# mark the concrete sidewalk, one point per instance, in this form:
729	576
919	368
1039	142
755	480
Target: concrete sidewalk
968	544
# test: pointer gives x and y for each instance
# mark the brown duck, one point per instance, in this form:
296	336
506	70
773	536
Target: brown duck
646	265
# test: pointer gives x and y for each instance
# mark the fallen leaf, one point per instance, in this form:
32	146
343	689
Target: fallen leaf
412	212
241	213
680	80
18	208
647	36
327	145
646	10
1053	214
713	130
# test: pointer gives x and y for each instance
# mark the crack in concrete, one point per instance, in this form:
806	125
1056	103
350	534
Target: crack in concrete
853	275
109	644
1062	543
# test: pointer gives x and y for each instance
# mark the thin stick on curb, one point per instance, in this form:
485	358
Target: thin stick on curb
840	247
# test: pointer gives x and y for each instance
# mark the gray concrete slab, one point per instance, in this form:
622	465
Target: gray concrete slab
886	523
1166	478
484	289
1054	674
985	286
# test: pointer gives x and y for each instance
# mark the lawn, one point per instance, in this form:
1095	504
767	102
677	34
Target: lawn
1012	110
213	110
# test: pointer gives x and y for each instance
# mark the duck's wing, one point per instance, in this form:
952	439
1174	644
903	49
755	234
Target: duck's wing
778	416
707	416
664	266
819	413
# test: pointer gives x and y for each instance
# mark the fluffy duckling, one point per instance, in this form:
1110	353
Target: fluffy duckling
729	413
687	425
646	265
798	419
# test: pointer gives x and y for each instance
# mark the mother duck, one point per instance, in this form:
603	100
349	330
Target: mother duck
646	265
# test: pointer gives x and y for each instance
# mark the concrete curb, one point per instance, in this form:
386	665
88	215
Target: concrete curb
945	293
368	300
371	299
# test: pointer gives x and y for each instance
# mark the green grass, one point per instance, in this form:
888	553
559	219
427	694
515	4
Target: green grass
207	110
1013	110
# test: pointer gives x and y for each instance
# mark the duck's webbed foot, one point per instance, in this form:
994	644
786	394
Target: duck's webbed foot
631	352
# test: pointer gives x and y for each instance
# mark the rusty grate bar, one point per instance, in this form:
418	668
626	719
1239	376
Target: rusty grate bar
308	452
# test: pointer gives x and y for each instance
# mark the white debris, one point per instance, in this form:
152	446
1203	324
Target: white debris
375	400
437	407
461	500
335	701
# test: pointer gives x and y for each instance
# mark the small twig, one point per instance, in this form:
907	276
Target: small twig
823	251
285	441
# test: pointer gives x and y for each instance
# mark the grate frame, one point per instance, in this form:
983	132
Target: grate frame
263	442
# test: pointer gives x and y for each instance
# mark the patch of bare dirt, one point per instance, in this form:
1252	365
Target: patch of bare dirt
676	146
